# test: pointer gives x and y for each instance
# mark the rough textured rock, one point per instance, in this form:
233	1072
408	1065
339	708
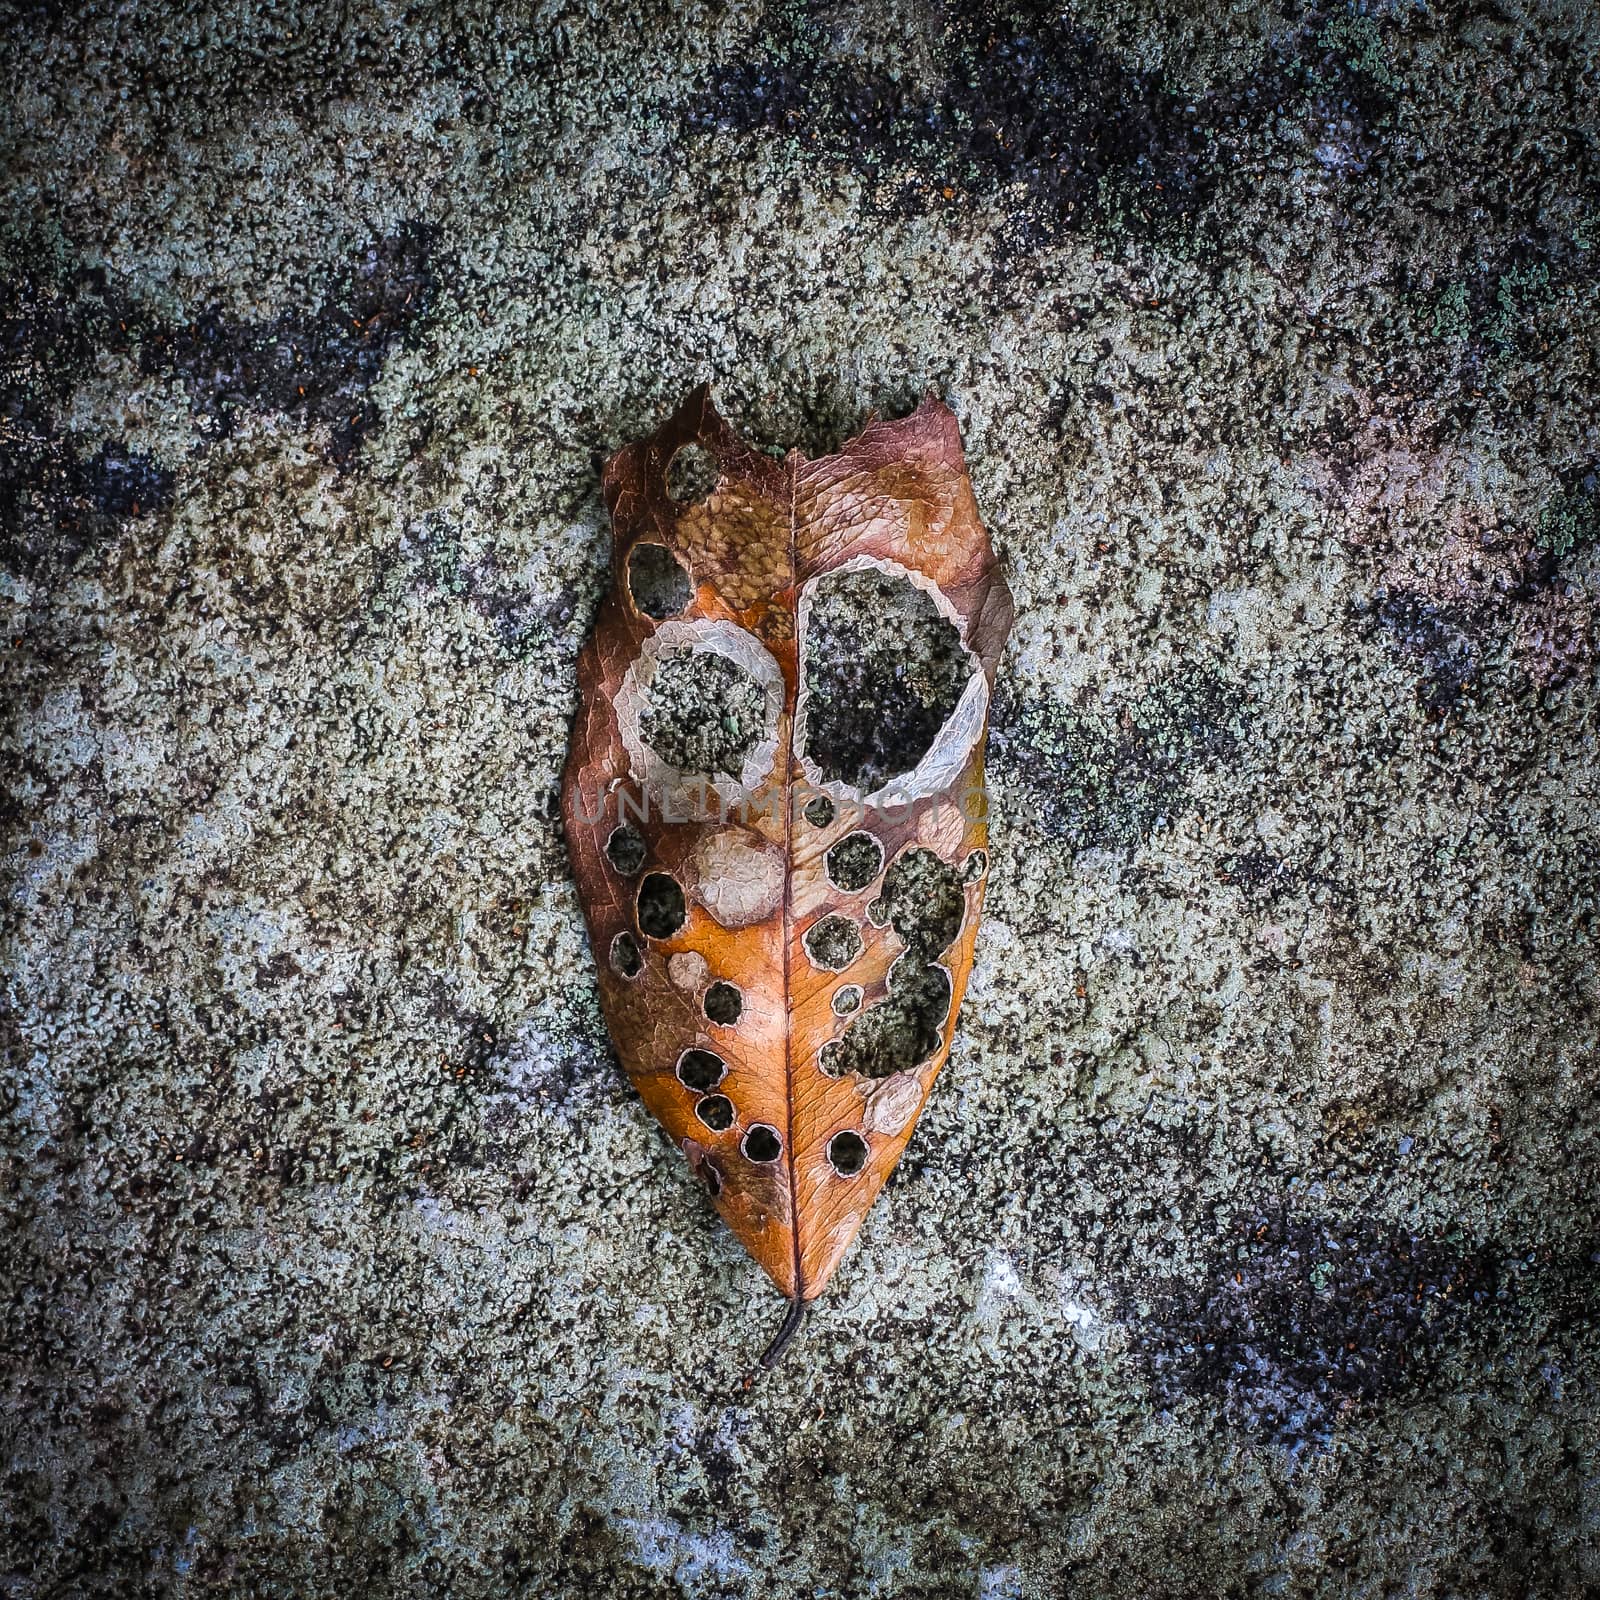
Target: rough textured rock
1248	1245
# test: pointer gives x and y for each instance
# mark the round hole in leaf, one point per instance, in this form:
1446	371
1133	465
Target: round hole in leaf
706	713
819	812
847	999
833	942
901	1030
828	1060
657	580
847	1153
883	669
923	898
701	1069
662	911
854	861
691	474
974	867
625	849
716	1111
625	957
723	1004
762	1143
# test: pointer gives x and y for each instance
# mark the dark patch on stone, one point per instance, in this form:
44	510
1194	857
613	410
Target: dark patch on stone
1264	879
1570	521
54	507
315	364
522	625
1294	1319
1438	638
1029	105
1098	779
883	670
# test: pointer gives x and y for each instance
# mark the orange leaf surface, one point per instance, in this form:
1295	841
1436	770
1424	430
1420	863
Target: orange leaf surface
773	804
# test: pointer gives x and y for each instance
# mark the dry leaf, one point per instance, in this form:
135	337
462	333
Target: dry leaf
773	803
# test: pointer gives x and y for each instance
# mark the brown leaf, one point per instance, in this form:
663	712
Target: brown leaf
802	631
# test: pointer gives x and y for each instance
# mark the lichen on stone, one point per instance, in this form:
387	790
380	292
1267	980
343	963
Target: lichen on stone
705	712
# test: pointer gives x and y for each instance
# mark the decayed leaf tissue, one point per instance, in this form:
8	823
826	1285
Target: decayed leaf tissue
774	805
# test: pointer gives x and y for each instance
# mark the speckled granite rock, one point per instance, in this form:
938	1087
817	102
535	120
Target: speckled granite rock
1248	1244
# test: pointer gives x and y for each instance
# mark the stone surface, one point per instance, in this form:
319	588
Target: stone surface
1248	1242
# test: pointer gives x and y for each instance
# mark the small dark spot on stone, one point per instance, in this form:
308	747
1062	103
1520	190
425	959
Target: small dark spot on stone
691	474
716	1111
723	1004
625	957
833	942
854	862
625	849
662	910
658	581
762	1143
701	1069
847	1153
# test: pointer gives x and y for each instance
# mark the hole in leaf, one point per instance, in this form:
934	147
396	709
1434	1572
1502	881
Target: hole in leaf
625	849
854	862
847	999
723	1004
691	474
819	812
661	906
706	713
713	1180
625	957
877	912
883	670
974	867
923	899
847	1153
902	1030
658	582
716	1111
833	942
762	1143
701	1069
